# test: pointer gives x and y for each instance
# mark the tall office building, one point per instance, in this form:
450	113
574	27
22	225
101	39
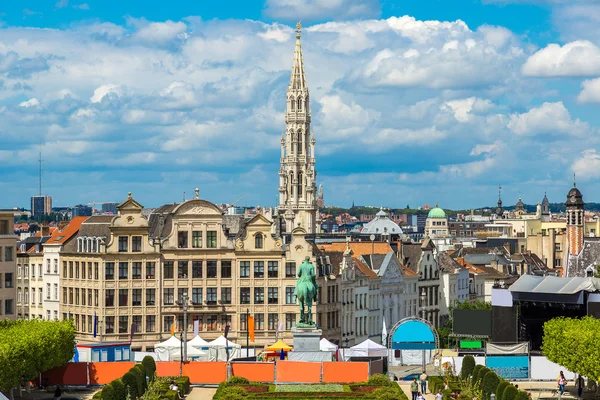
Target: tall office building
40	206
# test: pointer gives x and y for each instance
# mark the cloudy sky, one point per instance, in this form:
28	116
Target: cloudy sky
413	102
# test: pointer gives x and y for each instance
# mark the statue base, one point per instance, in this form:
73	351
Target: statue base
306	338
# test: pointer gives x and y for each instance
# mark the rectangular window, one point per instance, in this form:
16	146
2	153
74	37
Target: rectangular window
136	244
64	296
290	321
70	270
90	303
197	269
273	295
244	269
136	323
150	297
181	293
182	239
8	256
259	322
83	270
168	321
64	269
150	269
225	269
123	242
243	322
76	269
136	297
273	269
123	297
109	300
109	325
90	270
8	280
96	297
259	269
259	296
182	269
211	323
211	269
225	320
136	270
244	295
76	296
211	296
150	323
272	322
226	295
123	270
196	296
123	323
196	239
211	239
169	297
83	296
168	270
290	297
96	271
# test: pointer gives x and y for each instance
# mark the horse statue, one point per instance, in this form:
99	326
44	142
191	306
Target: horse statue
306	291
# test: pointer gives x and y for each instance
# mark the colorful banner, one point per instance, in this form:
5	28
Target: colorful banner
509	367
196	327
95	324
250	324
173	329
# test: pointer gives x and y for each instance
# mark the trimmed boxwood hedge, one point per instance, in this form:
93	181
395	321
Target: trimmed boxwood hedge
510	393
500	389
489	384
475	373
467	366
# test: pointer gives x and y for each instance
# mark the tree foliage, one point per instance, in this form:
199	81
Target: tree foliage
149	367
500	389
482	372
510	392
490	384
475	374
467	366
131	384
28	348
573	343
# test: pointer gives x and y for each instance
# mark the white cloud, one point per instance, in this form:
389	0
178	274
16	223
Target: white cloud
590	91
587	167
161	32
292	10
463	108
104	90
579	58
491	148
61	3
83	6
30	103
549	118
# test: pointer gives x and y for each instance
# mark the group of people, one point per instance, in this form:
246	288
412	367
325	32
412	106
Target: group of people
562	382
173	386
414	388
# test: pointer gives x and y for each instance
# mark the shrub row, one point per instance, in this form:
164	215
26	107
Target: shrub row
487	381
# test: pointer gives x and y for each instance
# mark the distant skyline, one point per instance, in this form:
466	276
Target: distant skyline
412	102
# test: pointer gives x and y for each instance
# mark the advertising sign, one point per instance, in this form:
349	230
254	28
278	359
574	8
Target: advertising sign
509	367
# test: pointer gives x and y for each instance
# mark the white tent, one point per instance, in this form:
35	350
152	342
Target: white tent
218	349
165	350
368	348
326	345
192	353
198	343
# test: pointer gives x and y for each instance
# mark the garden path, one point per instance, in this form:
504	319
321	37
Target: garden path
200	393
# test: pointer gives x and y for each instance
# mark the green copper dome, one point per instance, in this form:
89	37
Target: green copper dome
436	213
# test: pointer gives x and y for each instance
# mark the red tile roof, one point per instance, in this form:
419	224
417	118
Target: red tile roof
61	236
364	269
358	248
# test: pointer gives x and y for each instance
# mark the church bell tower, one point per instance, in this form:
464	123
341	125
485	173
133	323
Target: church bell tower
297	175
575	220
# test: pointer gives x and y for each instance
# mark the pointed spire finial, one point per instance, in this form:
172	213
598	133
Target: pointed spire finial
436	204
499	192
298	29
574	181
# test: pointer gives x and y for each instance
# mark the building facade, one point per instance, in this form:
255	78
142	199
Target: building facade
8	265
40	206
436	225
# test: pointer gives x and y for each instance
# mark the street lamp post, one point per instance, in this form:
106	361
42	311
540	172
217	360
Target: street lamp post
184	304
423	298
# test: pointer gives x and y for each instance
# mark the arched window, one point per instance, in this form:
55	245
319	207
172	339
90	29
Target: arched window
299	184
258	241
299	104
291	183
299	141
293	104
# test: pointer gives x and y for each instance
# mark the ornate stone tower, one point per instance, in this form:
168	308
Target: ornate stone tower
297	175
575	220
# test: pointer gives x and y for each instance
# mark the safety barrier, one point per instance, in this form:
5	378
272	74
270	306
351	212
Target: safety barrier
100	373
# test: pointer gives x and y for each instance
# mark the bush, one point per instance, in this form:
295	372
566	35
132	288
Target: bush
379	380
500	389
480	375
120	390
447	394
490	384
385	393
435	383
510	393
467	367
183	382
131	384
237	380
149	367
140	376
108	393
231	393
521	395
475	373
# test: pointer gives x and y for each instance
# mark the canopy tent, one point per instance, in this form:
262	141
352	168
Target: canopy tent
192	353
552	289
326	345
368	348
278	346
166	349
198	343
219	348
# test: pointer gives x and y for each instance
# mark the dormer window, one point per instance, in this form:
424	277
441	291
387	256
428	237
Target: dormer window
182	239
258	241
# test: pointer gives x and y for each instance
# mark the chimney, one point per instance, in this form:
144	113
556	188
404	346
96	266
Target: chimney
62	225
45	231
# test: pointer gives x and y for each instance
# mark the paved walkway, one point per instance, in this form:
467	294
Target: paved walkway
405	386
200	393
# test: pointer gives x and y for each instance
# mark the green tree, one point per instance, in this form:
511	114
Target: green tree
131	384
467	367
510	392
521	395
500	389
490	384
480	375
475	374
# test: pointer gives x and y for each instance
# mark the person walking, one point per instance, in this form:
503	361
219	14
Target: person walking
423	378
580	383
57	392
562	381
420	396
439	395
414	389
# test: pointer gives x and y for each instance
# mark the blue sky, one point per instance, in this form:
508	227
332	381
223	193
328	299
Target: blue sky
413	102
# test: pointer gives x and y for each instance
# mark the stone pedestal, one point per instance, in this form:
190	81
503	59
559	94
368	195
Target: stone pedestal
307	345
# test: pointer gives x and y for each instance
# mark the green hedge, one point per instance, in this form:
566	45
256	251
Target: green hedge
521	395
500	389
489	384
475	374
435	383
510	393
149	367
466	369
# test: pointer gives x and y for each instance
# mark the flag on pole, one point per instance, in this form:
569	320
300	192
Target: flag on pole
251	327
196	327
95	324
173	329
384	334
226	344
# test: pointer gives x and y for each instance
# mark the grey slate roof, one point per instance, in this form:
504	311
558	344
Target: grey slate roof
411	254
96	225
486	259
447	263
374	261
588	258
161	227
